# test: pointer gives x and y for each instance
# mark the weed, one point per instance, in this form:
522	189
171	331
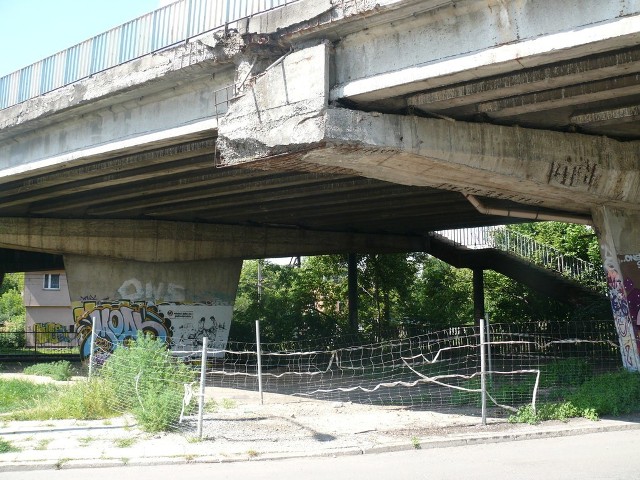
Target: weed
415	441
43	444
60	463
6	446
124	442
148	382
189	458
84	441
252	453
57	370
228	403
125	461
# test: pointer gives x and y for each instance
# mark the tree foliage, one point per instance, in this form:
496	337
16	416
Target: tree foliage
12	311
397	293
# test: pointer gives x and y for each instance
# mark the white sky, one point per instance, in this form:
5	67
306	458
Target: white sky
31	30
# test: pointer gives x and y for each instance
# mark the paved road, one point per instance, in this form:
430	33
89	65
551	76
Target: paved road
602	456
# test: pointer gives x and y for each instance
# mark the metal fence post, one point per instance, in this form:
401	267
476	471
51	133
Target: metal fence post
483	385
92	345
259	354
203	371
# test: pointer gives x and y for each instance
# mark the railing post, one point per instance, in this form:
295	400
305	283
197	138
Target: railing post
483	369
259	355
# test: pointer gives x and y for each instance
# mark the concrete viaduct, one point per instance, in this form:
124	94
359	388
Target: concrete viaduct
326	126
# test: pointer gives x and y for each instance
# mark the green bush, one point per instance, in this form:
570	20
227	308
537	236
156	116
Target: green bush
147	381
610	394
6	446
57	370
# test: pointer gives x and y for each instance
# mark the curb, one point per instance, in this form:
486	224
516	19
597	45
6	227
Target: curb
424	443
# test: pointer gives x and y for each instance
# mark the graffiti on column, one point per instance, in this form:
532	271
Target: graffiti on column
191	322
623	279
117	323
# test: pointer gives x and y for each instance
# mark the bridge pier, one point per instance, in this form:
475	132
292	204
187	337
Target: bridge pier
179	302
619	236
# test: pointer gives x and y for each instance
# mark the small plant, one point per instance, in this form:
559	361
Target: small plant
415	441
124	442
228	403
60	463
125	461
6	446
252	453
43	444
57	370
84	441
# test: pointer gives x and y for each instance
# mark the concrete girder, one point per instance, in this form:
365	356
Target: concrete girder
156	241
584	93
556	75
607	117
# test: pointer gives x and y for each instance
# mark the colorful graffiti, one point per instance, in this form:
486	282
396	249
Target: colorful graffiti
117	323
623	273
50	332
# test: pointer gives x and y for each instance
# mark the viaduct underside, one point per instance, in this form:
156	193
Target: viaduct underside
325	131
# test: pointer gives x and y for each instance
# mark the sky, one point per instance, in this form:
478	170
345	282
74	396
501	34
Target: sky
31	30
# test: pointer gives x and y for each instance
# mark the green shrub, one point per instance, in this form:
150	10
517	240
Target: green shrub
610	394
57	370
551	411
147	381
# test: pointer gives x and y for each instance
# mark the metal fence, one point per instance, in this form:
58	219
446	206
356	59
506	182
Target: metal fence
154	31
501	238
50	344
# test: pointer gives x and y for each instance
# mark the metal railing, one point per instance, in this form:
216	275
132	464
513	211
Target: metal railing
501	238
51	343
154	31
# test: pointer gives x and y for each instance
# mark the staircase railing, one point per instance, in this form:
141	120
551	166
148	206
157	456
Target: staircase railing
527	248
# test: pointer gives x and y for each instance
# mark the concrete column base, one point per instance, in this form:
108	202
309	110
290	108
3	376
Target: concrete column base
619	236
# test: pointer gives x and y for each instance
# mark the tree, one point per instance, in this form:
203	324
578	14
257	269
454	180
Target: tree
12	311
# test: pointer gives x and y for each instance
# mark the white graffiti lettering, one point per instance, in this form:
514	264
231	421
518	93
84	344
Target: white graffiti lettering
134	290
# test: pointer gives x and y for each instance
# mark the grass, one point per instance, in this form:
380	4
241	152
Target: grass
89	400
57	370
20	394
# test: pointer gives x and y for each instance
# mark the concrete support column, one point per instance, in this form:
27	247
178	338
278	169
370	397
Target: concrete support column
619	236
179	302
478	295
353	292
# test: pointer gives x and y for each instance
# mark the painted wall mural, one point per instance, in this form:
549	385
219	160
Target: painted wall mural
181	326
116	323
178	302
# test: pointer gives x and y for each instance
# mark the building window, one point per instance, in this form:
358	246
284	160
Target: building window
51	281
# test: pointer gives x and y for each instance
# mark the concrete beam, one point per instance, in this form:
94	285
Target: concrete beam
155	241
580	94
551	76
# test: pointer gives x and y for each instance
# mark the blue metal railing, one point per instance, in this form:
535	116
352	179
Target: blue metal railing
156	30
